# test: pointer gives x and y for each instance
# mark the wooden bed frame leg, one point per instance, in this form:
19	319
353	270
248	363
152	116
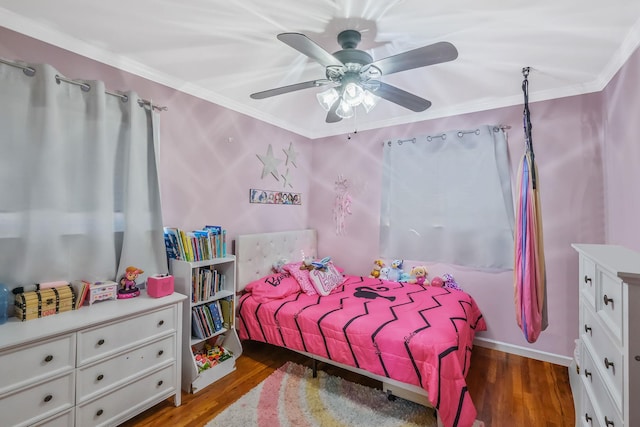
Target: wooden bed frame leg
315	368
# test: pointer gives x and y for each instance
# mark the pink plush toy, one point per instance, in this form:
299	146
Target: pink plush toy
437	281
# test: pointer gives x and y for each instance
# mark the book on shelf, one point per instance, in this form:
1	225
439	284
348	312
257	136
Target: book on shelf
226	306
205	283
196	326
216	314
198	245
176	242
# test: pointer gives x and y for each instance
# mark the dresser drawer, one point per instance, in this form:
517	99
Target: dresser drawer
604	353
609	303
97	378
65	419
30	404
588	417
29	364
587	271
116	406
97	343
602	401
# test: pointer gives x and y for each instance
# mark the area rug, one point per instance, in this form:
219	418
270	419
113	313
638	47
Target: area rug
291	397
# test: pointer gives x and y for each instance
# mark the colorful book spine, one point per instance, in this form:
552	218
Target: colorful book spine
216	314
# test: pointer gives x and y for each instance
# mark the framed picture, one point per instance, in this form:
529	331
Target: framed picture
274	197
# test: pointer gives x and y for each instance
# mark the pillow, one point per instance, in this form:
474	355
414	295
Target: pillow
325	281
273	286
302	276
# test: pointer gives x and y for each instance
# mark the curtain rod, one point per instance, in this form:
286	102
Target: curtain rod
30	71
443	136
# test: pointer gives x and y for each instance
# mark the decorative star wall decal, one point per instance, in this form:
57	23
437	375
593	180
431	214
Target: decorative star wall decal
286	178
270	164
291	155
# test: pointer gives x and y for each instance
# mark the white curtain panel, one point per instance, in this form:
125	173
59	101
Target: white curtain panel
447	198
79	197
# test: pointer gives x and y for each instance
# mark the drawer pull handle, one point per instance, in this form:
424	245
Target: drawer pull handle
161	352
609	364
587	279
100	412
100	341
607	300
48	398
100	377
160	323
160	383
587	418
587	374
49	358
608	422
587	329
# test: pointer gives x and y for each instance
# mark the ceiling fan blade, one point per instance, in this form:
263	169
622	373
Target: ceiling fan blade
332	117
402	98
287	89
421	57
305	45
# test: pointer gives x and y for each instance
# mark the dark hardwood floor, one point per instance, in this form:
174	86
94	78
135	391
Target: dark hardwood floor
508	390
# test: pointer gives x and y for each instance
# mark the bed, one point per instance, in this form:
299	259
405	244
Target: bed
415	339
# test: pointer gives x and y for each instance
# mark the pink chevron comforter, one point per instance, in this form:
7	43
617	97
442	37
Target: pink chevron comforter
411	333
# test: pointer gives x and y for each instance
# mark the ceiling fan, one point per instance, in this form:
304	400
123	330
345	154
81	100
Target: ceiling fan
354	77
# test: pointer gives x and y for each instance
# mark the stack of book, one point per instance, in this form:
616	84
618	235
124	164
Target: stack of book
208	243
206	320
206	282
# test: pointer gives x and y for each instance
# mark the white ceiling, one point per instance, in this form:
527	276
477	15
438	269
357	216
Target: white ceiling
222	51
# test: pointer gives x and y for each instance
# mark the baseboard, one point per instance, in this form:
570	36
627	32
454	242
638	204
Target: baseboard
523	351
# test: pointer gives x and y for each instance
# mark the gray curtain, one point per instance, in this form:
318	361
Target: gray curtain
79	197
447	198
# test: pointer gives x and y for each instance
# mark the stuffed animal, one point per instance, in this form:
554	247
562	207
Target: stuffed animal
377	265
277	266
307	264
437	282
384	273
395	272
450	282
419	275
321	264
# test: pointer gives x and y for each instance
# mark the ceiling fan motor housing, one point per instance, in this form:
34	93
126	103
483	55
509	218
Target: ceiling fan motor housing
349	40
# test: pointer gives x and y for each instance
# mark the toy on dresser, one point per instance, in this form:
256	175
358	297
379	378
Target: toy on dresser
128	286
44	302
102	291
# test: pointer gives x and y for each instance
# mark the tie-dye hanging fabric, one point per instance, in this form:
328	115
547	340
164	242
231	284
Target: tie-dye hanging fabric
529	265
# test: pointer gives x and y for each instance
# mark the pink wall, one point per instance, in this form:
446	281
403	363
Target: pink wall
205	179
567	139
622	154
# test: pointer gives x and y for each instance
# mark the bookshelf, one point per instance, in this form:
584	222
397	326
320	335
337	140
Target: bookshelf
210	285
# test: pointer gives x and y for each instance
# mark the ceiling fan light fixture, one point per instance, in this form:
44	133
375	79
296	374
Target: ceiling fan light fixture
369	100
327	98
344	110
353	94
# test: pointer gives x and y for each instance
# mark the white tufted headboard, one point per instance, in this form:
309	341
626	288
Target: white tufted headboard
256	253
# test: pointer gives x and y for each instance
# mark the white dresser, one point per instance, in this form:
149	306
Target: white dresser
608	394
97	366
